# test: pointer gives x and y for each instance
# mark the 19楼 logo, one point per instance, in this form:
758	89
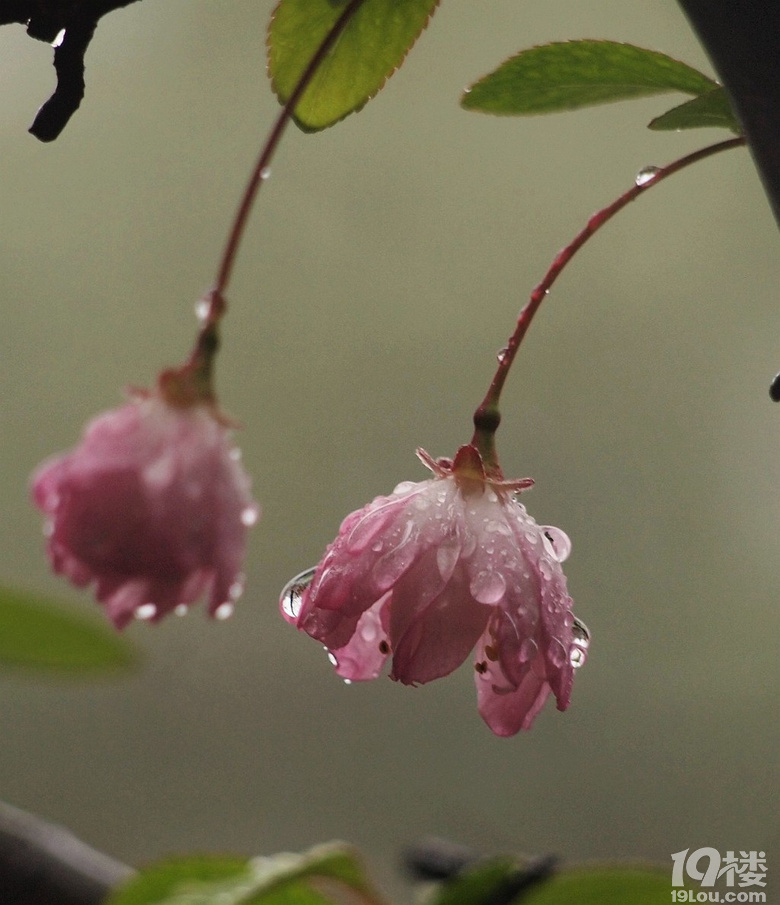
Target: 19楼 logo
706	865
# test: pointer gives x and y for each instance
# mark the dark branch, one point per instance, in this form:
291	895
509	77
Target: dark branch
77	20
743	42
42	864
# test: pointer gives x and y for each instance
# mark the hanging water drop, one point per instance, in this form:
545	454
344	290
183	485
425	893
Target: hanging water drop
293	592
249	516
202	309
224	611
774	389
181	609
556	542
646	174
146	611
501	355
265	173
580	642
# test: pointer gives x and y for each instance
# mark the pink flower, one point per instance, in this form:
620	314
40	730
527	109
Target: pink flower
153	506
441	567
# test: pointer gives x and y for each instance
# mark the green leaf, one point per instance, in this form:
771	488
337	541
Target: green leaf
573	74
371	47
36	634
711	109
603	886
326	874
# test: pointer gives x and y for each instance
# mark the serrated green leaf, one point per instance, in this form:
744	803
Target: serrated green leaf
711	109
39	635
371	47
574	74
325	875
602	886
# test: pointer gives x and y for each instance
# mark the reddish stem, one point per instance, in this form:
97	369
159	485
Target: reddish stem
215	296
487	416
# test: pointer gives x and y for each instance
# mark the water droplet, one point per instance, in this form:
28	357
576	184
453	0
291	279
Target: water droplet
347	681
265	173
60	37
236	589
528	650
545	570
202	309
250	515
224	611
446	559
488	587
774	389
646	174
293	591
556	653
332	658
578	652
404	487
146	611
235	454
556	542
181	610
502	355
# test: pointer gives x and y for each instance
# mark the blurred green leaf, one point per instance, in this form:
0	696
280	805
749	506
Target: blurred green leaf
711	109
371	47
573	74
37	634
324	875
603	886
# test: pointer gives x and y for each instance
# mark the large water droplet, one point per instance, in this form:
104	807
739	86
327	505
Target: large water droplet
332	658
146	611
488	587
580	642
556	542
250	515
265	173
646	174
293	591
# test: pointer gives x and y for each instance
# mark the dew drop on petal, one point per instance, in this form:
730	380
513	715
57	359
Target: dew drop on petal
488	587
293	592
578	652
527	650
265	173
181	609
556	542
224	611
347	681
249	516
146	611
332	658
556	653
446	559
545	569
646	174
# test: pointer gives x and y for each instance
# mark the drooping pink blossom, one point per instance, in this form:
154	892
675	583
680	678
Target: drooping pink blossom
437	569
153	507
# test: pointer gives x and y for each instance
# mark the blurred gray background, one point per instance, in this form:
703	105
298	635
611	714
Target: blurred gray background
383	268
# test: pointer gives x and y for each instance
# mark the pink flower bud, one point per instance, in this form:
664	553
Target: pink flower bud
436	569
153	506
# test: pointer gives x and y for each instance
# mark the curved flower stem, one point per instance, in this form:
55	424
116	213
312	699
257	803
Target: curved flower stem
215	296
487	416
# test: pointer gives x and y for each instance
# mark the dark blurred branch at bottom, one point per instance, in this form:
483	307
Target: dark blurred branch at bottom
44	864
743	42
